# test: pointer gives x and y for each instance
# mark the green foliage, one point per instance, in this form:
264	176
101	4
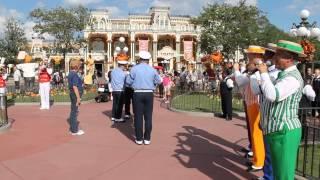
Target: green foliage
14	40
237	26
65	24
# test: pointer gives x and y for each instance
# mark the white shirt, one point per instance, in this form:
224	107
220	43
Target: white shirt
309	92
285	87
17	75
255	79
229	83
241	79
29	69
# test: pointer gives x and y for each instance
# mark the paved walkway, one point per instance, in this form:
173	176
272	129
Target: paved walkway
38	147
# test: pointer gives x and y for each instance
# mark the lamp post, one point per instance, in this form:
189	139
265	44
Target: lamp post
121	48
306	30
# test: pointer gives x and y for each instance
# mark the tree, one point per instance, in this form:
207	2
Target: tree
64	24
229	26
236	26
14	40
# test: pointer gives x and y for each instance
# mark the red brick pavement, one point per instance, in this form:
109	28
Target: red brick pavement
38	147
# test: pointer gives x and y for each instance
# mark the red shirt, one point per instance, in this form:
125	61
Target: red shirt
2	82
44	77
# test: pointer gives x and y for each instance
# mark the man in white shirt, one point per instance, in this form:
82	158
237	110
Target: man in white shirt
16	78
282	127
29	73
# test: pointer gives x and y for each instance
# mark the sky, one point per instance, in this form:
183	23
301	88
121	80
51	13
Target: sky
281	13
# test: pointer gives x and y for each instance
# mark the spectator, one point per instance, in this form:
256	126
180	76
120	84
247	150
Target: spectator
17	78
316	87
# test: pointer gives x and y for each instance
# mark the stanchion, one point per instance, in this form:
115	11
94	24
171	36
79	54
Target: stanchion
4	124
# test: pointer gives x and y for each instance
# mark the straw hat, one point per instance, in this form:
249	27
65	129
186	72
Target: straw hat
254	50
291	47
271	47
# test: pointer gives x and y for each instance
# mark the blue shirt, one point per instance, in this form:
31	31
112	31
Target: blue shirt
118	77
75	80
143	77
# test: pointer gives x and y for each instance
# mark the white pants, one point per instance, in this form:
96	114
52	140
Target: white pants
44	91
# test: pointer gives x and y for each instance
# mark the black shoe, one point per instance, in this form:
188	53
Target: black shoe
228	118
222	116
244	150
249	164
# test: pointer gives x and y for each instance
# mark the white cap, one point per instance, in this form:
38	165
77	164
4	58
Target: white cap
144	55
122	62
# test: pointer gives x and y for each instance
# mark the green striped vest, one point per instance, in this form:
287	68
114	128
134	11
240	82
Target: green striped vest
274	115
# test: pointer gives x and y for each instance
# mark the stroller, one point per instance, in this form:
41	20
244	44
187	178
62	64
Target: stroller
103	93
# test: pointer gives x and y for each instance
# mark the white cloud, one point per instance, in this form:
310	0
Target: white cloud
312	5
192	7
5	14
114	10
82	2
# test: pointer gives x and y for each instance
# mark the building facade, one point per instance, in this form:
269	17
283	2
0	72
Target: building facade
172	40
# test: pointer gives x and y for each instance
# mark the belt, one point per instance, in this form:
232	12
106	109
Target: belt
117	90
143	90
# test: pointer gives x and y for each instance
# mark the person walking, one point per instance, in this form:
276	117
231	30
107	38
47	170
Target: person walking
44	88
76	91
117	83
282	127
143	79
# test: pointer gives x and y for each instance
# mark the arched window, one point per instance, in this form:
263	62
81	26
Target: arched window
102	24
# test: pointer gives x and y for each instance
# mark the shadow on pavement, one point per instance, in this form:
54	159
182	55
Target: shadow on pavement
126	128
206	152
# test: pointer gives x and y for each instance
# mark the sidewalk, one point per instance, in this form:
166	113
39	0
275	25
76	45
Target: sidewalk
38	147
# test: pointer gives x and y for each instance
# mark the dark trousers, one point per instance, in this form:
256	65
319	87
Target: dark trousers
117	104
267	168
315	104
161	90
73	118
248	125
128	95
226	104
142	109
29	83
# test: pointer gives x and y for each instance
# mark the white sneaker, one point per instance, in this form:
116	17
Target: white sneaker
250	153
79	133
119	120
146	142
42	108
113	119
139	142
127	116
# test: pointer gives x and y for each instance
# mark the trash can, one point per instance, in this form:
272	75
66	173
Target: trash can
3	110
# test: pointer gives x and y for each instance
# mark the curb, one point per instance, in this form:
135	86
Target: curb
202	114
5	128
54	103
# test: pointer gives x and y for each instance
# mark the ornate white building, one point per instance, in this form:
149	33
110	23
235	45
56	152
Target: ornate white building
171	39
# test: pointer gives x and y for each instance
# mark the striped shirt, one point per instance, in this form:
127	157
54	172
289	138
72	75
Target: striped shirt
280	112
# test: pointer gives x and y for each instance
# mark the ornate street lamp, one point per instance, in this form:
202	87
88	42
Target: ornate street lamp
121	49
306	30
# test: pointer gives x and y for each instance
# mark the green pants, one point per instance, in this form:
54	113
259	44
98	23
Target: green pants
284	148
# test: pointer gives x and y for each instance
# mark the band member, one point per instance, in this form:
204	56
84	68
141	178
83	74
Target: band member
117	83
128	95
282	127
143	79
44	88
255	54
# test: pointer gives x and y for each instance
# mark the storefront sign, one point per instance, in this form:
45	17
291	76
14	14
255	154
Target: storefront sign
167	53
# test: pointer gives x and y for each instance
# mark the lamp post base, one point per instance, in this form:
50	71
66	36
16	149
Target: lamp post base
5	127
